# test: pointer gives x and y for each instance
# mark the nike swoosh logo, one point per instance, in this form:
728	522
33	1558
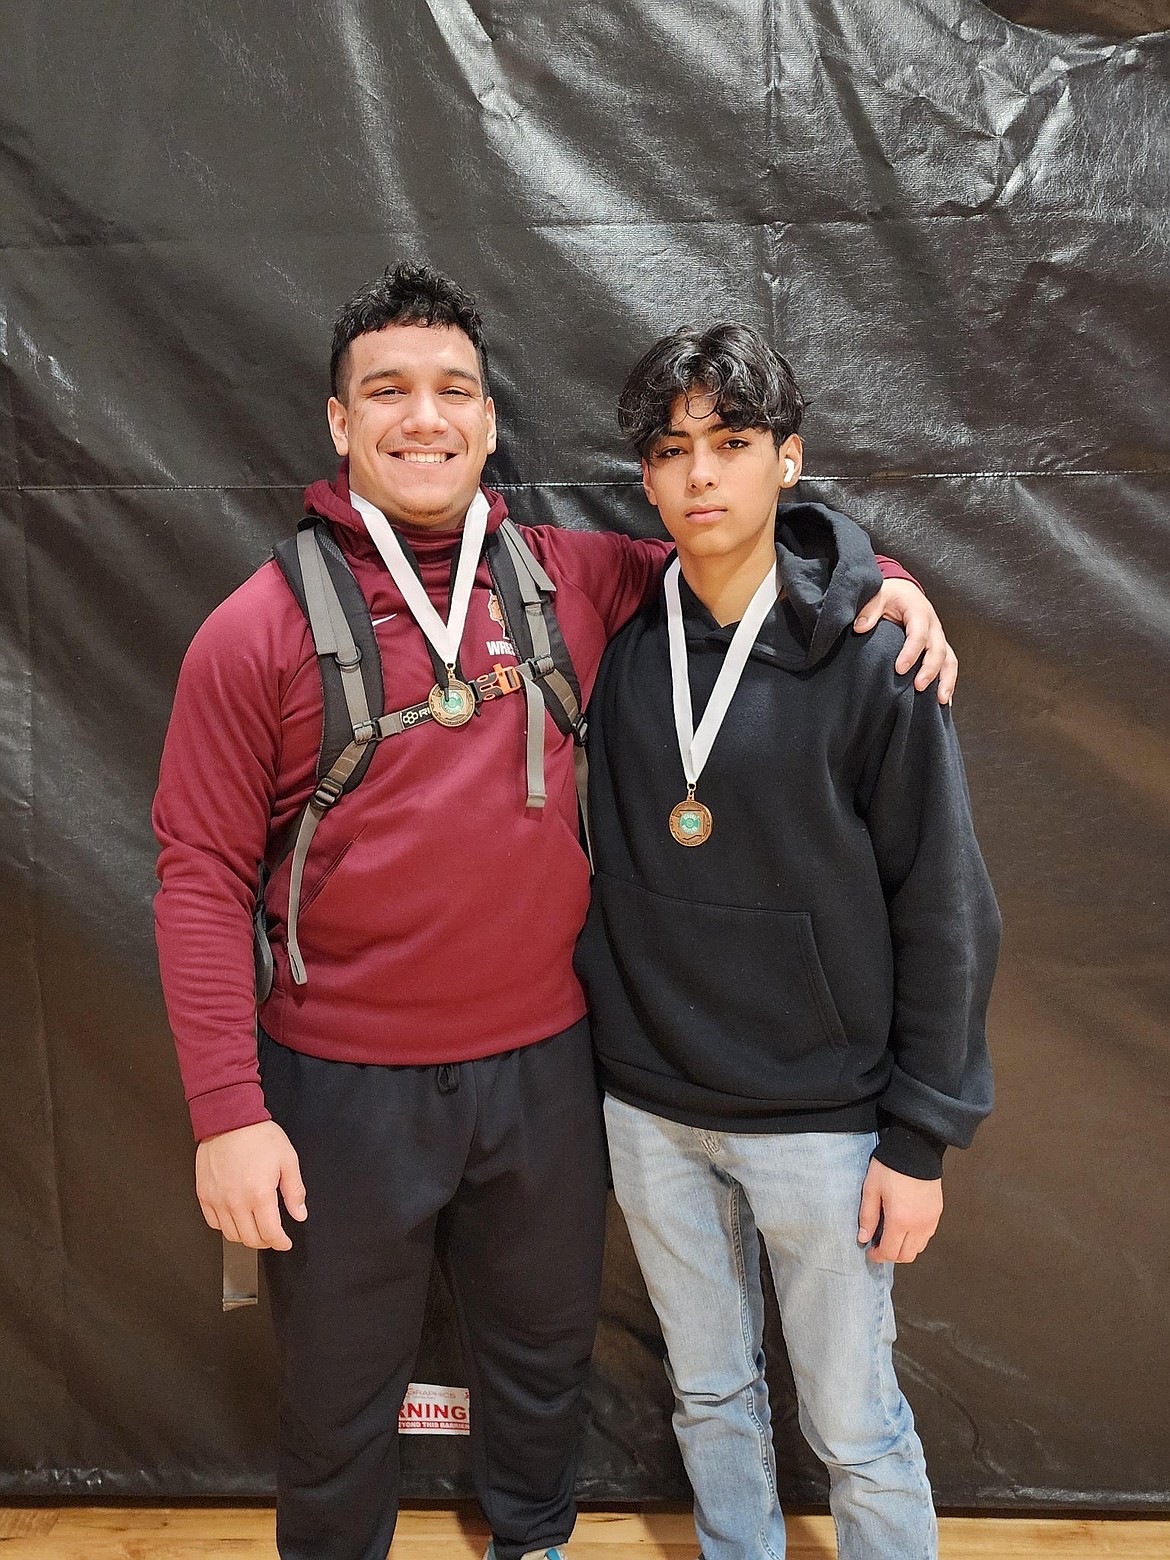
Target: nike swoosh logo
385	619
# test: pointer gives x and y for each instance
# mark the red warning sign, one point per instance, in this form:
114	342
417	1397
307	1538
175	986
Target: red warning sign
430	1410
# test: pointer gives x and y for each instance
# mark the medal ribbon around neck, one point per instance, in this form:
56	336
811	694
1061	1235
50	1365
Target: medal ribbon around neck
453	705
690	821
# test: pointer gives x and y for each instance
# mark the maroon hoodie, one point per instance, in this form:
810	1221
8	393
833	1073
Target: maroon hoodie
438	912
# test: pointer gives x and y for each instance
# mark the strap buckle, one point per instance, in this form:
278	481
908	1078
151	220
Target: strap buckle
495	684
328	791
507	678
367	731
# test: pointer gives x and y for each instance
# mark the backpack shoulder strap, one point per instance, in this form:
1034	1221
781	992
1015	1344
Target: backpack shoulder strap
340	622
526	594
351	684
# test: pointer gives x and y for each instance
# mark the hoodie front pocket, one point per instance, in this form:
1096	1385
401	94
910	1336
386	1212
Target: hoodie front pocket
731	998
329	872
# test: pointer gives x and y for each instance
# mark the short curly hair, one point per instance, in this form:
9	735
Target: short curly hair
753	386
406	295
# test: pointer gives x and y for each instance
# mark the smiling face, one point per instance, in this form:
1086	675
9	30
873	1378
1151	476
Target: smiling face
414	422
716	487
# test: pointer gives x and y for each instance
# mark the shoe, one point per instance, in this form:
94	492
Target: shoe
553	1552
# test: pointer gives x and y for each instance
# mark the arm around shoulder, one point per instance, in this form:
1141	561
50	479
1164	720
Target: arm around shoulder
902	600
617	573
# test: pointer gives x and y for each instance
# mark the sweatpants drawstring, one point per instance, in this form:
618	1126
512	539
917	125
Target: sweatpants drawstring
448	1077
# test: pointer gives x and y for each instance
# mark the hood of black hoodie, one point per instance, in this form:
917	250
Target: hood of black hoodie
829	572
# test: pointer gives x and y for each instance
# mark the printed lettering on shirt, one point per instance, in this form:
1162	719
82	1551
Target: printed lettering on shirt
496	613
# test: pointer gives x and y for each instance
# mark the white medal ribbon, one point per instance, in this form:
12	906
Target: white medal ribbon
445	637
695	746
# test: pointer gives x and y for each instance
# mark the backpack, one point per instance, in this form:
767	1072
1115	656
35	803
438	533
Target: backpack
350	664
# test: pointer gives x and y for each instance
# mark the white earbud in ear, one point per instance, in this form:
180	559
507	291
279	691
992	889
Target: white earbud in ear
789	468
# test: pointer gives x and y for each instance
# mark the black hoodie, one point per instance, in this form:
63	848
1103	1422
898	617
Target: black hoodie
823	962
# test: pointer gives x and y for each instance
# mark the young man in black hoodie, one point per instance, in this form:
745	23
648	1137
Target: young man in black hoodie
788	958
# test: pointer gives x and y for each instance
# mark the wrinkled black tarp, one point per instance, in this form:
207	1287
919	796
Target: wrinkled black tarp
957	229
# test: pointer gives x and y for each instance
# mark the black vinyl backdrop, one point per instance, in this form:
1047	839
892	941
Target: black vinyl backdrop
956	225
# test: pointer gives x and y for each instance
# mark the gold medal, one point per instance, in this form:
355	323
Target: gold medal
453	705
690	821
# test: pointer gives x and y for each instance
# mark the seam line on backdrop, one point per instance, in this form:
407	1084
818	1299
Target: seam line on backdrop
1130	211
883	479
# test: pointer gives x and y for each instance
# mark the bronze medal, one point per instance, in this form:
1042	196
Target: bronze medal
453	705
690	821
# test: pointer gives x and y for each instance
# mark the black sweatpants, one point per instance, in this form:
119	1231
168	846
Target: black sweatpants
496	1167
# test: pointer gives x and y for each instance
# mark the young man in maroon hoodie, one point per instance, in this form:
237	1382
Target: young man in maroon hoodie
427	1087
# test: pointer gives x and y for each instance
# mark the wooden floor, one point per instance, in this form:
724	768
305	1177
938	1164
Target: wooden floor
210	1533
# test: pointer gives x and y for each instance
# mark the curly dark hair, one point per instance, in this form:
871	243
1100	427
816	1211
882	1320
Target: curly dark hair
753	386
406	295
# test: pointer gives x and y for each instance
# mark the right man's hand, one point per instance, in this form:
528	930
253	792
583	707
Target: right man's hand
905	1209
236	1179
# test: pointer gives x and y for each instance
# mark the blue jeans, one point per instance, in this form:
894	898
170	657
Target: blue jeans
694	1202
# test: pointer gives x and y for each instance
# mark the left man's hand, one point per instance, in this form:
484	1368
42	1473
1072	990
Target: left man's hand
902	602
908	1211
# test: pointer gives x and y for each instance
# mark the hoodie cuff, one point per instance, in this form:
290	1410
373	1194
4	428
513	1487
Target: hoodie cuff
891	569
223	1110
910	1150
